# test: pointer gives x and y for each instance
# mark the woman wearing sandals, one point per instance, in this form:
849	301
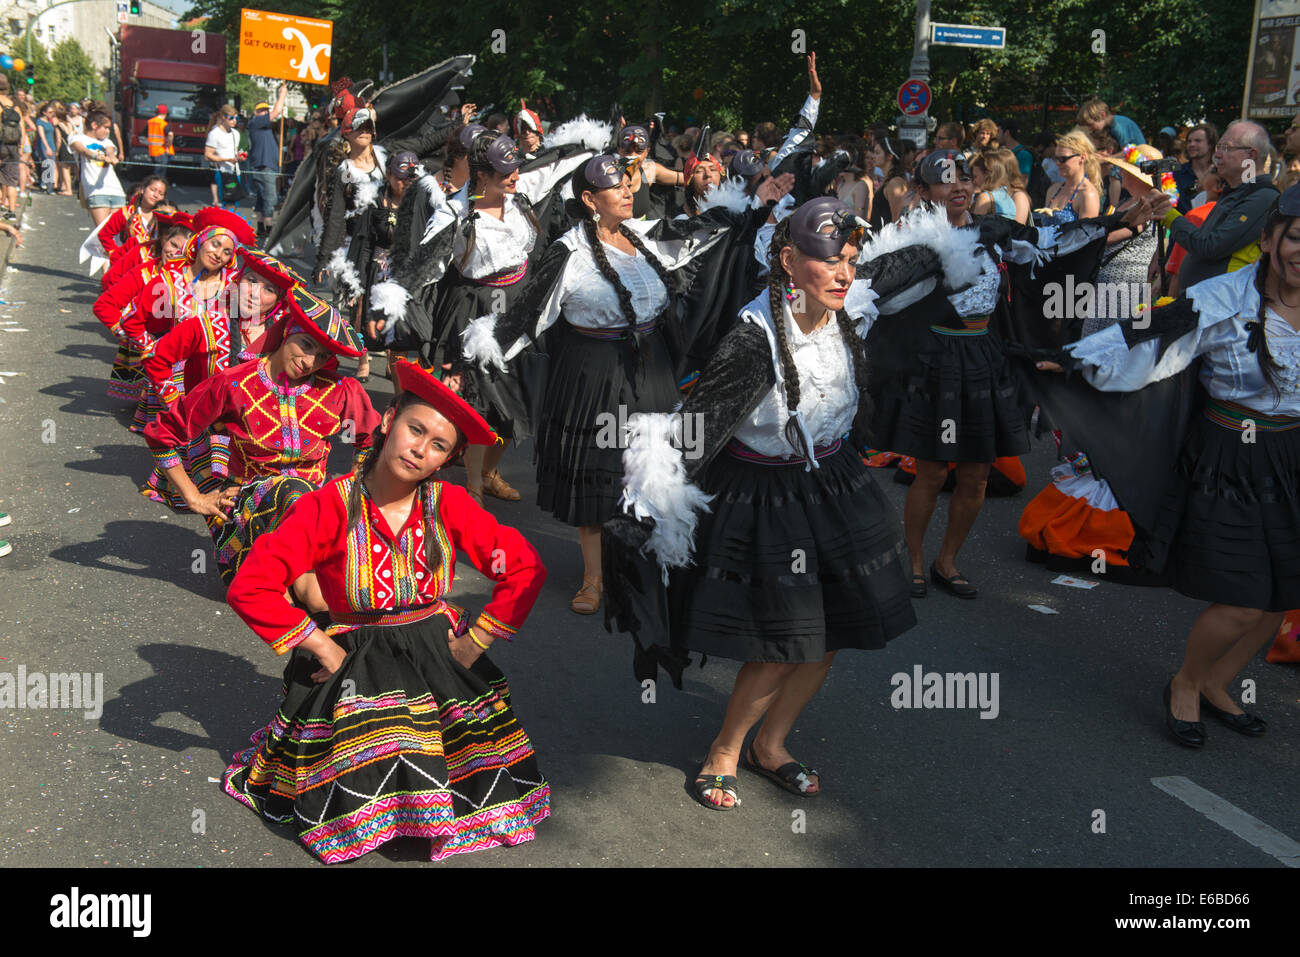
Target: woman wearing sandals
798	554
1227	527
608	279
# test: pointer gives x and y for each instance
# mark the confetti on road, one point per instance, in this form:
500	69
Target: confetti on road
1073	582
1044	610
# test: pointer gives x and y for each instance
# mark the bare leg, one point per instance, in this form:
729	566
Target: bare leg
919	506
1225	670
967	499
98	214
799	689
589	539
1216	632
474	456
757	685
492	457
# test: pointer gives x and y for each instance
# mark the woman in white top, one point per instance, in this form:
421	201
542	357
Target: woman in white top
797	554
608	279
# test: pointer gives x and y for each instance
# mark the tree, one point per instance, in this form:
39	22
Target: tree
61	74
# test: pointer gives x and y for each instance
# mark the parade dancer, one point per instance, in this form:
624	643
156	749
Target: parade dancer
394	722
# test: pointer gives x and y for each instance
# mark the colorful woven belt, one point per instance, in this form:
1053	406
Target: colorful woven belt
617	332
970	327
1230	415
742	451
505	278
402	616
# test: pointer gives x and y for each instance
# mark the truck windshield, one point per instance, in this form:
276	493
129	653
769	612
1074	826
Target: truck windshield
186	102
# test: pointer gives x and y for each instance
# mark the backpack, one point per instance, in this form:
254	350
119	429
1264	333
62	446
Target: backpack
11	127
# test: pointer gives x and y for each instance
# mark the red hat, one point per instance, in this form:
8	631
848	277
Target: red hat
316	317
162	107
411	378
342	99
693	161
271	269
358	116
526	119
216	216
177	218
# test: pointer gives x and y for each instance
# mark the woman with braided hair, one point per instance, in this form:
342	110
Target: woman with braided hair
609	278
796	554
1226	528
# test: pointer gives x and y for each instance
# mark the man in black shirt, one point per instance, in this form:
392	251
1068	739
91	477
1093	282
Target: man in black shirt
264	160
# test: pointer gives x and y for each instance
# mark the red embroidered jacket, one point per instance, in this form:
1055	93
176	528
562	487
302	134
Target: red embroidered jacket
125	264
371	569
148	306
274	429
123	229
203	343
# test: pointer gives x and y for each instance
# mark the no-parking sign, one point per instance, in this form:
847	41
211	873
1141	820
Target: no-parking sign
914	97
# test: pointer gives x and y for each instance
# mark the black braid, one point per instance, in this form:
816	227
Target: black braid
1267	364
776	281
653	260
607	270
469	219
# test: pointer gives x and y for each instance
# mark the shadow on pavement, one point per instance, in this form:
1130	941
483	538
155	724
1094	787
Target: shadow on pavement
158	551
223	694
85	395
118	460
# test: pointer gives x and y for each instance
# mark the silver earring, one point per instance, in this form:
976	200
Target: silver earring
595	217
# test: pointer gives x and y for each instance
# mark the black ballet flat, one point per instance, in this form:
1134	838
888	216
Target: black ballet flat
1190	734
958	584
1247	724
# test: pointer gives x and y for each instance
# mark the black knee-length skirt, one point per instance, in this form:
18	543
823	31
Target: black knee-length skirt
792	564
592	386
957	404
1228	528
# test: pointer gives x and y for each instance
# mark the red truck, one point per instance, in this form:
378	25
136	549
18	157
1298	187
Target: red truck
184	69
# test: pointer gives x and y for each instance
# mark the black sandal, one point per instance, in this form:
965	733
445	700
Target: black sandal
958	584
918	586
726	783
792	776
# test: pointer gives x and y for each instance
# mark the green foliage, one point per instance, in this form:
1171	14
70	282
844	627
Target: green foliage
61	73
734	61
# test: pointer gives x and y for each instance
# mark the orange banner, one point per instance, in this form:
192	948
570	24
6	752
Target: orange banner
285	47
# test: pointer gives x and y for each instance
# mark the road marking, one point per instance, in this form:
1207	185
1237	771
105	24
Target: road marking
1227	815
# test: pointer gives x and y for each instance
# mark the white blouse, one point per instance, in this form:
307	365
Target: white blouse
499	244
1230	372
828	394
590	301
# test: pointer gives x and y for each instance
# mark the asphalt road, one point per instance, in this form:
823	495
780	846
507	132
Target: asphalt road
102	581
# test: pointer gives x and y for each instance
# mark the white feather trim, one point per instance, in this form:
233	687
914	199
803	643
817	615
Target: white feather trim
390	298
342	269
729	195
655	486
594	134
860	304
366	196
481	344
959	249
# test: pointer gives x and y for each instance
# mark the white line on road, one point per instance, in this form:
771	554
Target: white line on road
1250	829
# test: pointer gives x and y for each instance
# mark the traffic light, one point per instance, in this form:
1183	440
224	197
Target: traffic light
134	8
30	74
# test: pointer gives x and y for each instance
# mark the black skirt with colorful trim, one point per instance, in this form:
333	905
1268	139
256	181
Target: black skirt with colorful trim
401	741
260	507
1228	527
791	564
958	403
593	385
